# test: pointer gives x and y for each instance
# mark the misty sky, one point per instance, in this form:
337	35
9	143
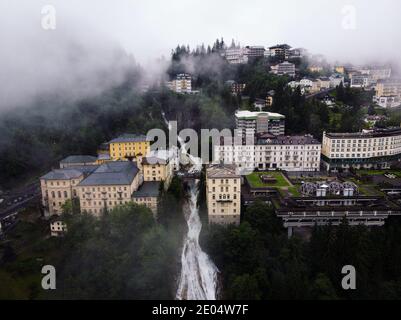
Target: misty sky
35	58
150	28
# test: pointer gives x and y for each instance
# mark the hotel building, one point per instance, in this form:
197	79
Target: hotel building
223	194
284	69
181	84
290	153
281	51
388	88
255	51
148	195
236	55
158	166
129	146
359	80
80	160
251	123
376	149
60	185
110	185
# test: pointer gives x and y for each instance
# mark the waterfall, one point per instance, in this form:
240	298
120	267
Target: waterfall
198	278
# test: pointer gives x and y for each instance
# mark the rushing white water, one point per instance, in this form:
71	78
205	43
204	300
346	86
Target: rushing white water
198	278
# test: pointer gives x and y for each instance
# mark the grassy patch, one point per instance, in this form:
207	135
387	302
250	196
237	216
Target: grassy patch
294	191
379	172
255	181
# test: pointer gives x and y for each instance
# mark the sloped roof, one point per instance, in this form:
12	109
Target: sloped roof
287	140
112	173
62	174
222	171
130	138
148	189
78	159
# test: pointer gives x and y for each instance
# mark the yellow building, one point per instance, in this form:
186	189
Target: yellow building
315	69
97	187
58	186
110	185
158	166
223	194
129	146
269	101
388	88
148	195
339	69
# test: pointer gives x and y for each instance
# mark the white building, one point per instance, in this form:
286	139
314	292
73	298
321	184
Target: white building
359	80
58	227
376	73
293	84
181	84
324	83
388	101
281	51
290	153
305	85
236	55
254	51
336	80
305	82
297	53
367	149
388	93
285	68
251	123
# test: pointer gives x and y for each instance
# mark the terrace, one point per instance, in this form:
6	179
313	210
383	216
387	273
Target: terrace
273	181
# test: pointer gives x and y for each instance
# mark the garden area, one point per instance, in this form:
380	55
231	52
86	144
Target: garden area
273	179
367	172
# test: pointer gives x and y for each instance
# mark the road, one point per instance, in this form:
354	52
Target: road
19	199
320	93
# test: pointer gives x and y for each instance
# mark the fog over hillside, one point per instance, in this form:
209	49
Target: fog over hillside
96	42
72	61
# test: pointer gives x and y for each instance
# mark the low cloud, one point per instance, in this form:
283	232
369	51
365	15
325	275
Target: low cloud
73	61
